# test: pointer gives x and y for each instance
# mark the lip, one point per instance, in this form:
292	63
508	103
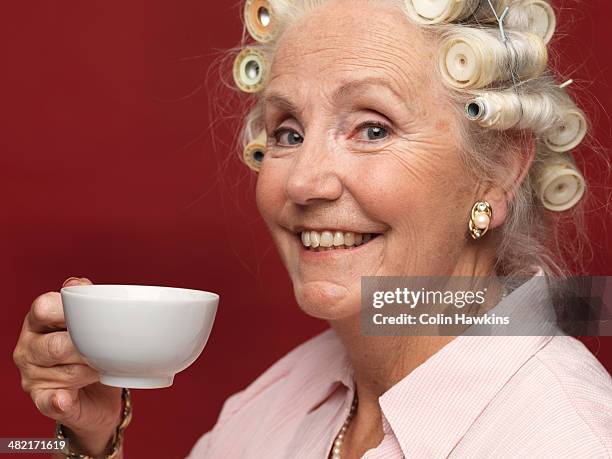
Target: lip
308	254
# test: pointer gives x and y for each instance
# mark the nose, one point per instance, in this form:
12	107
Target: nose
314	174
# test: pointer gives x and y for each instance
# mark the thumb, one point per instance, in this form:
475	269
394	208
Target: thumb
71	281
58	404
65	401
68	408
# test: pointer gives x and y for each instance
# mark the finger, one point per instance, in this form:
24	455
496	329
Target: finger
46	313
71	281
49	349
58	404
73	376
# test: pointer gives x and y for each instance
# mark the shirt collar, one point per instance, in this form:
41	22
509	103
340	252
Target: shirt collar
322	370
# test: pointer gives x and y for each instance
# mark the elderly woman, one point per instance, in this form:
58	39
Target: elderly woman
391	138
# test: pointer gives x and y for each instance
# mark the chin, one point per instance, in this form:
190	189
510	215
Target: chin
326	300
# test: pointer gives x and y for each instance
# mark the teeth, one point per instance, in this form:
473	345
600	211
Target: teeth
329	240
315	239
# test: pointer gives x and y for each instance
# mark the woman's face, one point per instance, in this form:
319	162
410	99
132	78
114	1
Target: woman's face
361	140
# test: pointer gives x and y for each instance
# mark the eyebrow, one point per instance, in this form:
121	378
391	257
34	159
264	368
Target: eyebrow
351	87
343	91
278	100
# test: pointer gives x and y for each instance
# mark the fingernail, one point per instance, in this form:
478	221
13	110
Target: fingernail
60	404
71	281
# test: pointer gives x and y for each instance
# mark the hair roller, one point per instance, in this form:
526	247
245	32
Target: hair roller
258	19
255	151
541	18
567	133
498	111
508	110
440	11
249	70
560	185
535	16
474	58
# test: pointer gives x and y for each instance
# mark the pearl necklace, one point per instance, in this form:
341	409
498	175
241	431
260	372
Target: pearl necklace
340	437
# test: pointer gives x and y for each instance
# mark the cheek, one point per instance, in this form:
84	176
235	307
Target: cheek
414	192
269	193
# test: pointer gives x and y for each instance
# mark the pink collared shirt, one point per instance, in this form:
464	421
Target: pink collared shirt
478	397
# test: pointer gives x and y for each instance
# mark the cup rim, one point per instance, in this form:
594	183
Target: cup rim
73	290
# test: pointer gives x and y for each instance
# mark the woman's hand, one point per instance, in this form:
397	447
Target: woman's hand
62	385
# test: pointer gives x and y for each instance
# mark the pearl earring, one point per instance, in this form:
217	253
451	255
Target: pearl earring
480	219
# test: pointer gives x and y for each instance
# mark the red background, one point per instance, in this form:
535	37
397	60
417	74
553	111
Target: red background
111	170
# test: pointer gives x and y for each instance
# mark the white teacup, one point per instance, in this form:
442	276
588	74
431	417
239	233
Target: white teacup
138	336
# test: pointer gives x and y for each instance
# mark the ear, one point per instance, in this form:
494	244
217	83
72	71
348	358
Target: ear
501	194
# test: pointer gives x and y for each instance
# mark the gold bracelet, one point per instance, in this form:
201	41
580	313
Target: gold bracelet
126	417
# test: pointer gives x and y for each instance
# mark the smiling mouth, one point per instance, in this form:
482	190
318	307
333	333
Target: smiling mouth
320	241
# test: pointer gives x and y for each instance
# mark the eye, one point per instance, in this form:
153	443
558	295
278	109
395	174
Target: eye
373	131
286	137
